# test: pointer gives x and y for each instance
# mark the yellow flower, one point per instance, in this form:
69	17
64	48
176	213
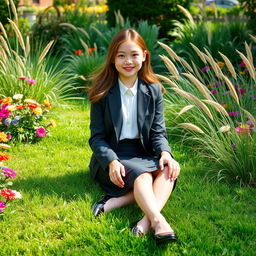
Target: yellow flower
241	72
11	108
224	105
47	104
52	123
4	146
225	128
3	137
208	85
244	126
20	130
6	100
30	101
37	111
220	64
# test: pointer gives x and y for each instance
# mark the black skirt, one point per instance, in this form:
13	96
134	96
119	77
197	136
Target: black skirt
136	161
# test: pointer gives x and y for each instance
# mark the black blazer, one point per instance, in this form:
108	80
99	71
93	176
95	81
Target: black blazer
106	124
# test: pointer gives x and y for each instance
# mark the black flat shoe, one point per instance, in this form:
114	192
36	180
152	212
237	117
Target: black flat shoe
98	207
136	231
165	238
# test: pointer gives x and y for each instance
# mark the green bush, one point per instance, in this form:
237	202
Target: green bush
5	10
159	12
250	6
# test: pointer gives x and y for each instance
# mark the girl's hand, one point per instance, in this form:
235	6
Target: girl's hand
173	166
116	171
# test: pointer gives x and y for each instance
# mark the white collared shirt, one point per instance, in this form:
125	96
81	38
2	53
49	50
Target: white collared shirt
129	110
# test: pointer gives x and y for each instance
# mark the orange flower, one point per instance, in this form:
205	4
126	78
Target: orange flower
37	111
91	50
35	105
3	137
220	64
20	106
6	100
47	104
4	156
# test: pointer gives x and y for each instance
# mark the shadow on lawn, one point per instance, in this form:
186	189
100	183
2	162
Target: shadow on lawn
69	186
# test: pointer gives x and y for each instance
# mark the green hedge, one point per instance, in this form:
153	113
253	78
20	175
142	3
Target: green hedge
159	12
6	11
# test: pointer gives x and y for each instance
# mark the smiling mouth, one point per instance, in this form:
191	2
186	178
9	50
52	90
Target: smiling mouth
128	69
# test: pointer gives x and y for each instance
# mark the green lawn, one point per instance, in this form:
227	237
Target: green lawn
54	217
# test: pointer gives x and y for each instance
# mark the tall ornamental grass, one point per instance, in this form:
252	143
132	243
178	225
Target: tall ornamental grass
214	109
19	62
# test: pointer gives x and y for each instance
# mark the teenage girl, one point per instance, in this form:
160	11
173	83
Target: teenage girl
131	157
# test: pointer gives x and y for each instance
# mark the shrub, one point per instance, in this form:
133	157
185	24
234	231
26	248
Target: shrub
215	107
157	12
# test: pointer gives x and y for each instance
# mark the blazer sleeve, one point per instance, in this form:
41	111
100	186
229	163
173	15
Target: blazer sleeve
158	130
101	149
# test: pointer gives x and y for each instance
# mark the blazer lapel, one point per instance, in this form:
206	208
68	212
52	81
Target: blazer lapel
114	98
143	101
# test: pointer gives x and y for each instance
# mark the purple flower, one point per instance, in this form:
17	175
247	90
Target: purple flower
233	146
206	68
216	85
9	173
234	113
213	91
242	64
9	136
2	206
7	121
242	91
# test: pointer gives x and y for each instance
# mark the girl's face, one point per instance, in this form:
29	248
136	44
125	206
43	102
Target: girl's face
128	61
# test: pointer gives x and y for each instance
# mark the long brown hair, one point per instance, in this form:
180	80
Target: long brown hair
108	75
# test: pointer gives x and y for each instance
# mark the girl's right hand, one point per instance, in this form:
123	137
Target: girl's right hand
116	171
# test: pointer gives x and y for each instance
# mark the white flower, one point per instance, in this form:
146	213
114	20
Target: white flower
17	96
17	194
225	128
1	164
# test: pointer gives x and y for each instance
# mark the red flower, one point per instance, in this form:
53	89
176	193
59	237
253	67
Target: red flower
33	105
78	52
8	193
91	50
4	156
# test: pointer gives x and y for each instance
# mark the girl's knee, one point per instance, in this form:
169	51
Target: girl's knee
144	176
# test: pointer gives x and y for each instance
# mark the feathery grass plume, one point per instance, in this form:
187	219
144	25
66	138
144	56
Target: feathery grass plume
69	25
209	36
19	60
3	66
14	11
248	65
4	45
199	53
3	30
199	85
95	48
191	126
214	65
2	53
83	32
185	109
186	13
190	96
249	53
167	80
170	66
217	106
184	63
171	53
18	34
84	45
27	46
83	78
100	34
119	18
231	88
253	37
229	65
250	116
196	71
45	51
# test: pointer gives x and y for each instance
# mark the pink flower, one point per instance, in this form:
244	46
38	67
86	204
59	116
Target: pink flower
234	113
216	85
4	113
9	173
2	206
242	91
9	136
206	68
213	91
40	132
31	81
23	78
243	129
242	64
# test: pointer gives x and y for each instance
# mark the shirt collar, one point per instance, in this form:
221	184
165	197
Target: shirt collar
123	88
